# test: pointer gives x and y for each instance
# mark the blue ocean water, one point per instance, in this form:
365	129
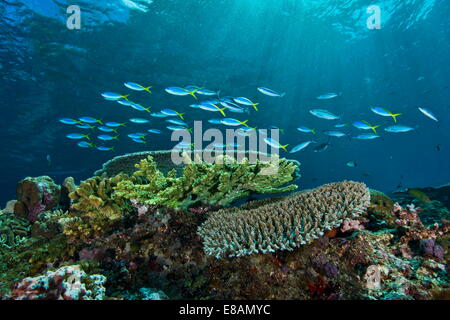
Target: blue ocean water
302	48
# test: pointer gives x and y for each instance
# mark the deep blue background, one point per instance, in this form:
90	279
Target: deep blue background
300	47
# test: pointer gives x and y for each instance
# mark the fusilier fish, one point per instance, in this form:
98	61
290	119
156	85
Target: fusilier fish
137	87
301	146
270	92
323	114
428	113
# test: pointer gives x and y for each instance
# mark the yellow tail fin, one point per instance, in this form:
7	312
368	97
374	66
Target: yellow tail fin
125	97
375	129
148	109
87	136
221	111
192	93
181	115
395	116
148	89
313	131
244	123
284	147
254	106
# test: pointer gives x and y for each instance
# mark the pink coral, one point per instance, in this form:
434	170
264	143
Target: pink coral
408	216
351	225
65	283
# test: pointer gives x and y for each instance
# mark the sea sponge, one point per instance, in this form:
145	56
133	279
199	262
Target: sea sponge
34	195
220	183
284	225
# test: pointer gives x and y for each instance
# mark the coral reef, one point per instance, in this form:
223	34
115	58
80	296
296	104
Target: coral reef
284	225
95	241
94	211
65	283
220	183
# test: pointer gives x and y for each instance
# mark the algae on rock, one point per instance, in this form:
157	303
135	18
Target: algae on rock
220	183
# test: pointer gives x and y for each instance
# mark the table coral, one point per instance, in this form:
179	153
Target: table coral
220	183
284	225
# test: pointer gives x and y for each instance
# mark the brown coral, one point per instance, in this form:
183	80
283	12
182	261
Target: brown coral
283	225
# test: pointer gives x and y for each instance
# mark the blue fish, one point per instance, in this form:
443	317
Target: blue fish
364	125
177	122
137	87
301	146
107	137
139	140
139	120
275	144
113	124
177	91
85	144
159	115
154	131
246	102
337	134
368	136
270	92
106	129
398	129
103	148
306	130
172	113
90	120
114	96
68	121
327	96
324	114
84	126
77	136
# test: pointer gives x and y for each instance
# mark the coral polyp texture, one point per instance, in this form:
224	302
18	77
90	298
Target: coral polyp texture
65	283
283	225
219	183
95	210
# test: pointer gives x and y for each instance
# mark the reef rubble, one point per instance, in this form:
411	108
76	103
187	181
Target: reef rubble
338	241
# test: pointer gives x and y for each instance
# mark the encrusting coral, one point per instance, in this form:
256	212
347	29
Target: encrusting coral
220	183
283	225
95	210
65	283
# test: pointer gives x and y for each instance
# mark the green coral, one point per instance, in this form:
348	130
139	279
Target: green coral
31	258
220	183
13	230
95	210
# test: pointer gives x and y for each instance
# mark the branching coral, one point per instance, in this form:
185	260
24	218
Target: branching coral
13	230
94	210
283	225
221	183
